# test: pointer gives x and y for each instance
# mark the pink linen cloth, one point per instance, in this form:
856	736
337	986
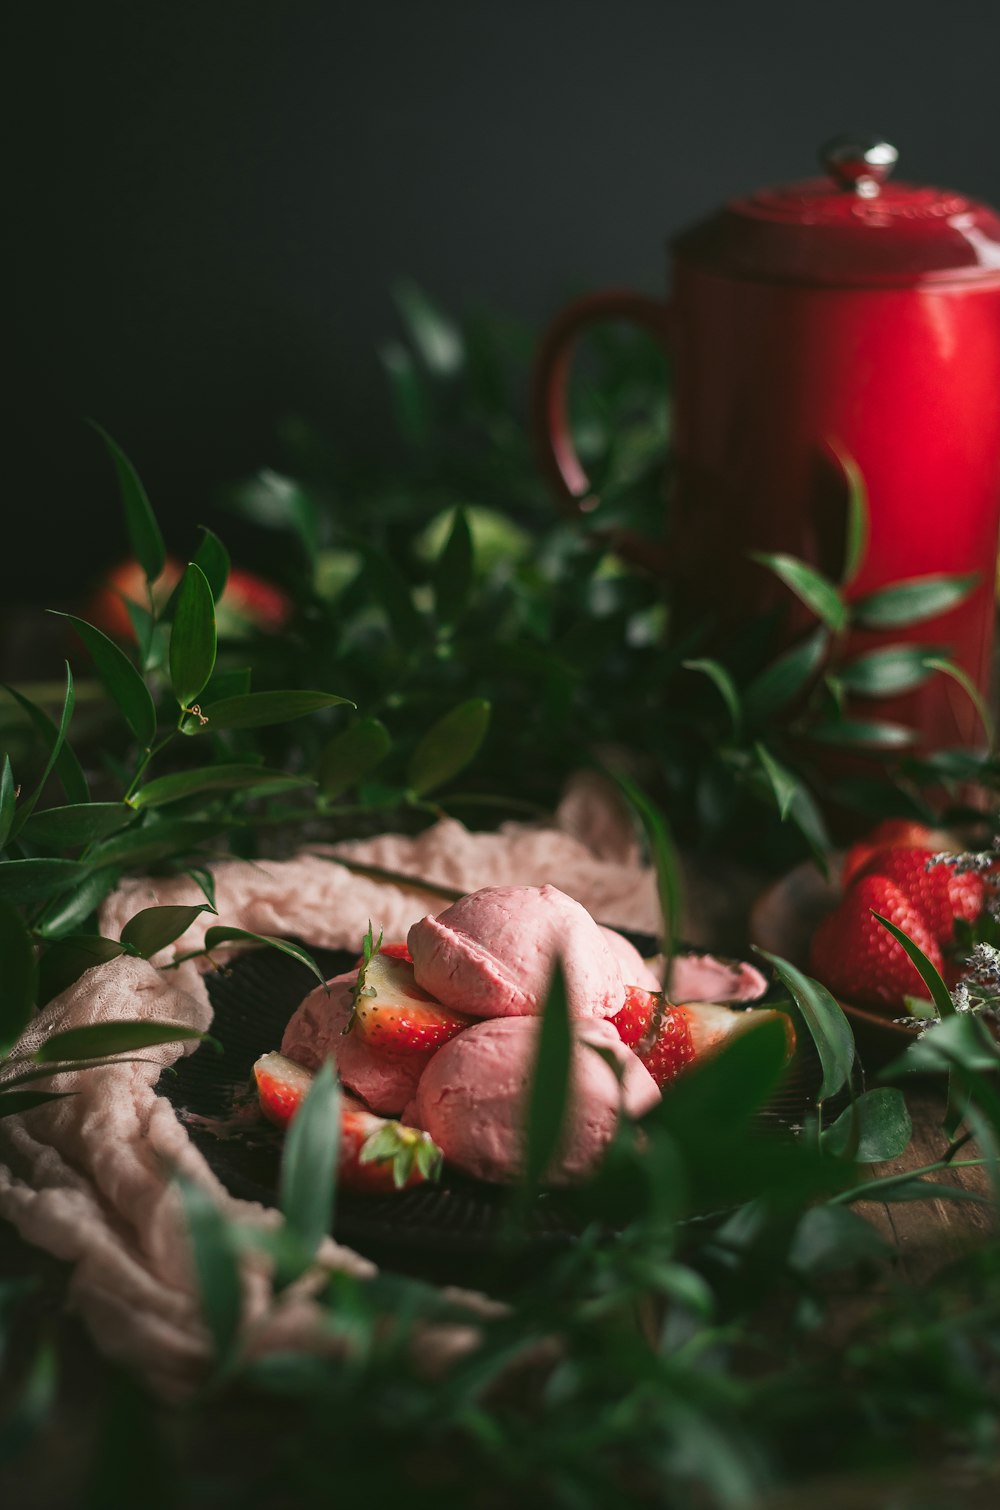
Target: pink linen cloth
91	1178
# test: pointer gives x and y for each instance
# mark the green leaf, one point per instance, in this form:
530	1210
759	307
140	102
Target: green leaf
8	800
728	1087
351	755
33	880
213	558
64	961
785	678
140	521
784	784
169	838
205	880
80	823
67	767
912	601
549	1093
101	1039
218	778
18	976
808	819
871	734
874	1128
857	523
125	686
436	338
232	683
225	935
448	746
833	1237
453	571
215	1254
968	686
24	811
154	928
279	502
410	400
726	687
192	636
392	592
28	1413
143	624
929	974
70	912
885	672
309	1161
255	709
828	1027
818	594
663	852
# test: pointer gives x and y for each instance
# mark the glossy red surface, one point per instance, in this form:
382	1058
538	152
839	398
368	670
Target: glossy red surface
814	233
805	317
906	381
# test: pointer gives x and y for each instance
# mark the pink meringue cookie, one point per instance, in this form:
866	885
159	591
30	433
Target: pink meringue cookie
702	977
472	1098
491	954
316	1032
635	971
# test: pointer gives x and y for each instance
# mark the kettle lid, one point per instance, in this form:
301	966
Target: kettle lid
856	227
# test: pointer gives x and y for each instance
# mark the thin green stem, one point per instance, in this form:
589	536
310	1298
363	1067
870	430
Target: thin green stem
872	1188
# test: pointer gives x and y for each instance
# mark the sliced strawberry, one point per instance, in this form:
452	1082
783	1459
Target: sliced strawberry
633	1019
394	1015
671	1048
394	951
377	1155
373	1154
892	833
281	1087
859	959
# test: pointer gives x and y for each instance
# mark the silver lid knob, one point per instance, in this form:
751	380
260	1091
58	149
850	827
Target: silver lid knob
860	163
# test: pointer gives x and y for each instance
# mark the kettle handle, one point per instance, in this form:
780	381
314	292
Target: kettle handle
557	454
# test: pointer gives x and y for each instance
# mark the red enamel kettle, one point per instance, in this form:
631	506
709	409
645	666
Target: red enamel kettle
850	314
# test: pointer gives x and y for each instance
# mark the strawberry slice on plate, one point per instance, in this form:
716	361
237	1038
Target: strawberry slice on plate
392	1013
682	1032
670	1049
374	1154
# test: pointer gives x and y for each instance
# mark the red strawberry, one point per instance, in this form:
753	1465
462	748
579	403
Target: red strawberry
859	959
672	1047
967	894
394	1015
373	1154
928	890
892	833
281	1087
394	951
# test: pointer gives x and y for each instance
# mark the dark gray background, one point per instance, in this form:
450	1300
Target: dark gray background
210	199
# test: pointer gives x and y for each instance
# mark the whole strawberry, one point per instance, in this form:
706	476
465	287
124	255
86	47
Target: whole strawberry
928	889
858	959
671	1049
890	834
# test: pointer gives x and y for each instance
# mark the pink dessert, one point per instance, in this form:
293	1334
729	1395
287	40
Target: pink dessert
450	1039
492	953
316	1032
635	971
702	977
472	1098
